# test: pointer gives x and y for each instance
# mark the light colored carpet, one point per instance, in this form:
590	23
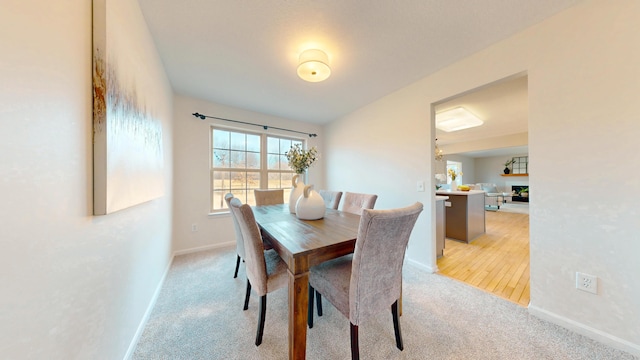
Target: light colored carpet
199	315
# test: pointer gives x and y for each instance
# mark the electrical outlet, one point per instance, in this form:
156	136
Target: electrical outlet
194	227
586	282
420	185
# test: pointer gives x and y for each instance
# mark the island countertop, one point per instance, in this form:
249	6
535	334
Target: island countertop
458	192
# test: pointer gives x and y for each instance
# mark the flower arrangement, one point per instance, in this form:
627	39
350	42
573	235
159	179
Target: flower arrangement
509	162
452	173
299	159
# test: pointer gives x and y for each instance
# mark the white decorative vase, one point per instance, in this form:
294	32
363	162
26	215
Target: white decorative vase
297	188
310	205
454	185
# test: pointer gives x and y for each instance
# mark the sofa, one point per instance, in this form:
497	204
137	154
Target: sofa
494	197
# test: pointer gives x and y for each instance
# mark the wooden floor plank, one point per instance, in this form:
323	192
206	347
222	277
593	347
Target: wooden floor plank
496	262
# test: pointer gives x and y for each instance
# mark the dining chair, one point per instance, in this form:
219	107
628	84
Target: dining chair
269	196
266	272
354	203
331	198
240	244
361	285
239	240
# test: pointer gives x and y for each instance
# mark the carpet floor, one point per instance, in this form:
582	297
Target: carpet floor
198	315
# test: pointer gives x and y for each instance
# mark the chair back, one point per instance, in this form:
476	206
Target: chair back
354	203
269	197
331	198
254	251
376	272
236	227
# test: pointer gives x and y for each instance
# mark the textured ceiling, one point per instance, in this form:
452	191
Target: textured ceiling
244	53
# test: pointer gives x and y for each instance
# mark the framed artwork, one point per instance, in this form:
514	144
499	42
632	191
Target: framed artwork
127	138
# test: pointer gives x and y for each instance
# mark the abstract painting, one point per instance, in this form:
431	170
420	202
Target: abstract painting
127	138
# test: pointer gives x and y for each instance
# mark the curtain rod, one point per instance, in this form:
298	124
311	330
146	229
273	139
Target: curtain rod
202	117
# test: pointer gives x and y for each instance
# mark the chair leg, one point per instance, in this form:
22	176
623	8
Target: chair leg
261	316
235	274
310	308
319	301
246	297
396	325
355	349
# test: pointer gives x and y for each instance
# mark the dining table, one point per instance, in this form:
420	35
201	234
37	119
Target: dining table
303	244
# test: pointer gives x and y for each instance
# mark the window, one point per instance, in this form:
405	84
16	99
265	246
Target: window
457	167
244	161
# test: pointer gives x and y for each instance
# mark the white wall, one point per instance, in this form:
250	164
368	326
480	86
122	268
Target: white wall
192	180
74	286
491	169
583	92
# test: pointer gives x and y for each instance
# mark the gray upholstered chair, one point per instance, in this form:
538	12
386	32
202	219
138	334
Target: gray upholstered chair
266	272
354	202
331	198
269	197
361	285
239	240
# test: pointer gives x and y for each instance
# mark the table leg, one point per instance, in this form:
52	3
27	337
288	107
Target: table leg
298	305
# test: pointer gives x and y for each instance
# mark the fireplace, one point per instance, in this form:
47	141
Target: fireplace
515	191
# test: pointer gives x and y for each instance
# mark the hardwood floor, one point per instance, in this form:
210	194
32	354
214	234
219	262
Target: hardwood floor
496	262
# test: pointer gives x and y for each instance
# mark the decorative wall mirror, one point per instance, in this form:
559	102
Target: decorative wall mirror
520	165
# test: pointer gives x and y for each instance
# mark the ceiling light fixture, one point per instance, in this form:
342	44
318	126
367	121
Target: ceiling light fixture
456	119
313	65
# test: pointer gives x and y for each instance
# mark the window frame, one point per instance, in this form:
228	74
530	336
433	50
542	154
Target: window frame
265	174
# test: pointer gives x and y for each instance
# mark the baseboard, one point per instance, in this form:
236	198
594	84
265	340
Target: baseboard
422	266
147	314
203	248
587	331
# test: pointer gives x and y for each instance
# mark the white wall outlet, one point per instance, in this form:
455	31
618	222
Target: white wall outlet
586	282
420	185
194	227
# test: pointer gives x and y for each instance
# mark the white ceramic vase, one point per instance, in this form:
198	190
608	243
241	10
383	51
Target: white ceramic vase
454	185
310	205
297	188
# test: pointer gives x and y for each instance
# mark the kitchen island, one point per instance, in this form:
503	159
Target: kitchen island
464	214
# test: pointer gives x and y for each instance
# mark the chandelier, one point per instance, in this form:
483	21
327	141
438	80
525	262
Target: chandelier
438	152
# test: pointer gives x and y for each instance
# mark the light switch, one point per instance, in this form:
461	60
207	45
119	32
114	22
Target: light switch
420	185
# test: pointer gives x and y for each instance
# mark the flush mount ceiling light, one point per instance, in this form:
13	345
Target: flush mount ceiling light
456	119
313	66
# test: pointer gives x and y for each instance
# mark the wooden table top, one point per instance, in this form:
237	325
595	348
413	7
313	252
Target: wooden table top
298	238
301	236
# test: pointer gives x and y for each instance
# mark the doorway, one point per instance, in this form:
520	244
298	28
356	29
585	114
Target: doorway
498	261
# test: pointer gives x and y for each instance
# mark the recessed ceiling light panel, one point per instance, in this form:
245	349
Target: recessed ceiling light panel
456	119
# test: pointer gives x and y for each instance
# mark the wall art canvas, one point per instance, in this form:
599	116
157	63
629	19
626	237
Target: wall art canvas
127	138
